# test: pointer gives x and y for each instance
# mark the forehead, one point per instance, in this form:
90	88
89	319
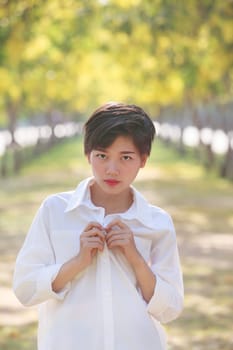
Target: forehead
121	144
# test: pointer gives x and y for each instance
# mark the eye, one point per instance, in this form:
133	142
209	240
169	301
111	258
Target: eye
101	155
127	158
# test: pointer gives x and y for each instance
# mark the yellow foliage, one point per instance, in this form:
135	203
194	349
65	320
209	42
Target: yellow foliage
14	92
227	31
126	3
37	47
5	80
204	40
62	10
9	85
176	86
142	35
15	46
164	43
104	81
66	53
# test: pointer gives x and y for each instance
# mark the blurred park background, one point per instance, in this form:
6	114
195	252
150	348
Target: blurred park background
59	60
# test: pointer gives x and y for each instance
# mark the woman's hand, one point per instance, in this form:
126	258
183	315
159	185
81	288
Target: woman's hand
120	236
92	240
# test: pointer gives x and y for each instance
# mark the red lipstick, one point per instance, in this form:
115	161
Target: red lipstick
111	182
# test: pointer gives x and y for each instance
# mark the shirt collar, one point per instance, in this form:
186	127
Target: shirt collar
81	195
140	209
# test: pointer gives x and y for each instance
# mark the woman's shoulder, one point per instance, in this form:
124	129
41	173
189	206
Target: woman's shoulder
57	199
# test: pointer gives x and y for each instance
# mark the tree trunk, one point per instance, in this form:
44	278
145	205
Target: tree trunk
12	113
226	169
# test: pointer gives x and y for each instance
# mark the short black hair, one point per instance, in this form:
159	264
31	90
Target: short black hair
115	119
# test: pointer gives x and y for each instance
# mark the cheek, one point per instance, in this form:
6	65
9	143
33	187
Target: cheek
132	170
96	166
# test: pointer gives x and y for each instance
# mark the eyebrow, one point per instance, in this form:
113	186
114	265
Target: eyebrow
104	150
127	152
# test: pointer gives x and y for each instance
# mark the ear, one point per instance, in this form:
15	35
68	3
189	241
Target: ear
143	160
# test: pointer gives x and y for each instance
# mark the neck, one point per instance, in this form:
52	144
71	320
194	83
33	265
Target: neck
117	203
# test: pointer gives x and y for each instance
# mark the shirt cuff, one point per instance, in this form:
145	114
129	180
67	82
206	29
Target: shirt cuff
160	299
44	283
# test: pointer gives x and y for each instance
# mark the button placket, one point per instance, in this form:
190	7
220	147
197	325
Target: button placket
106	286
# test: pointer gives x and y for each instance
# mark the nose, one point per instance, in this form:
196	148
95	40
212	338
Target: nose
112	168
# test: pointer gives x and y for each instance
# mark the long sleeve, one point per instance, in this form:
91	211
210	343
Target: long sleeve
167	301
35	267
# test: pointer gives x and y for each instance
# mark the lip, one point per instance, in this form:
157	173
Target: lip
111	182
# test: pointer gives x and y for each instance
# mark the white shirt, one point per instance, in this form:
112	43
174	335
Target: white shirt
102	308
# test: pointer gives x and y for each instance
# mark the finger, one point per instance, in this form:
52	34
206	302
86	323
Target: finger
122	232
92	239
93	245
94	252
113	236
117	223
94	232
93	224
118	243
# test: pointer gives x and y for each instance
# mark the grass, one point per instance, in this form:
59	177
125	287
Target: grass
20	338
201	206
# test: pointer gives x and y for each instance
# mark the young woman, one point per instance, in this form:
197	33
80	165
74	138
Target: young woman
101	261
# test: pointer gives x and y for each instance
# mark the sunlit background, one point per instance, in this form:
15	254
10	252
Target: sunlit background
59	60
